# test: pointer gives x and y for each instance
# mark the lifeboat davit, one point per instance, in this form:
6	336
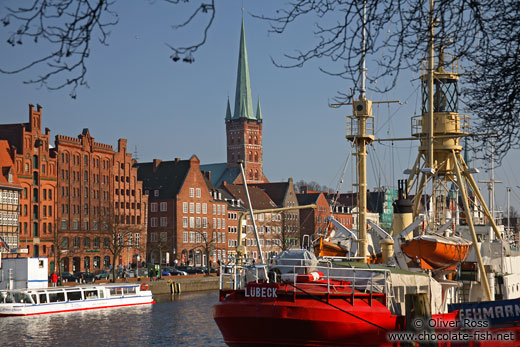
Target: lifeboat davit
436	251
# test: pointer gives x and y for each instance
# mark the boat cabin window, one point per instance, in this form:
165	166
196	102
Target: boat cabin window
116	292
129	291
56	296
2	297
74	295
91	294
43	298
34	298
20	297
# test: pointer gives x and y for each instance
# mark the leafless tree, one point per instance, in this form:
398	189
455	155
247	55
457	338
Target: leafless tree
207	245
120	237
69	26
484	34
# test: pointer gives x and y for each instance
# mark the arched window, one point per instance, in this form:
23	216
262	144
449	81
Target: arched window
250	156
256	156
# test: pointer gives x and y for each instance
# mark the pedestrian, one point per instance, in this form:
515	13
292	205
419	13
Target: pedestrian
151	275
54	279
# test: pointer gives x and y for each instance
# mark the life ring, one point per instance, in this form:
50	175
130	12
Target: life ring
144	286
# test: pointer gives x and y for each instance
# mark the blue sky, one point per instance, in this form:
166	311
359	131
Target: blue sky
168	110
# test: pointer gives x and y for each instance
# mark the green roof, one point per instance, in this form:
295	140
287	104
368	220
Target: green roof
243	100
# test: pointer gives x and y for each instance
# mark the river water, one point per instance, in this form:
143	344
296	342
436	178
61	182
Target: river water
182	320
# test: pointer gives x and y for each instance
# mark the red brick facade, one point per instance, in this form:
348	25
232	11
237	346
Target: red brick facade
244	142
97	187
35	165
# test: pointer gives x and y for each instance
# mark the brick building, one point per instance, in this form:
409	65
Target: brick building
36	168
313	222
269	225
10	189
187	220
283	194
99	198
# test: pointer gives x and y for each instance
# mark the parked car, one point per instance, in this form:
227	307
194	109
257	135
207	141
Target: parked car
68	277
173	272
102	275
190	270
84	277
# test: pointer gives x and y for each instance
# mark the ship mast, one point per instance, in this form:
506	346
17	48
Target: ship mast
360	130
440	162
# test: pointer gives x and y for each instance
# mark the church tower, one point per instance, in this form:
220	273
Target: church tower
244	126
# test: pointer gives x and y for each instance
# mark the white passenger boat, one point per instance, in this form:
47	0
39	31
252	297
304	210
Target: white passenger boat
25	302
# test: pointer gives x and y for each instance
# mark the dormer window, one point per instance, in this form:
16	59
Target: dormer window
156	192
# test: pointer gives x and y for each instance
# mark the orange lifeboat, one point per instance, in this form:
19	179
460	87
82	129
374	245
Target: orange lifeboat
326	248
434	252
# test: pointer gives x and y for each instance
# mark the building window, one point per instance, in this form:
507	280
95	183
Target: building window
156	192
192	236
192	222
164	221
153	222
185	237
137	240
86	243
198	192
197	207
192	192
198	238
85	226
185	207
153	237
204	222
164	236
184	222
106	242
164	206
75	225
96	242
65	243
204	208
192	207
153	207
198	222
76	242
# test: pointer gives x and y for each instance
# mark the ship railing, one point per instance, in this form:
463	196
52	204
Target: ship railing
321	279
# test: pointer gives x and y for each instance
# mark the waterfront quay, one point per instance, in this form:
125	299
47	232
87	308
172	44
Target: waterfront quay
171	284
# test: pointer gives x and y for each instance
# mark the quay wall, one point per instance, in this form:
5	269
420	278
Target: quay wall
172	284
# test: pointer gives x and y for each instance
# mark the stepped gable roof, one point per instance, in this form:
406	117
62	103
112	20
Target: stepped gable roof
277	191
259	199
307	198
220	173
168	177
7	166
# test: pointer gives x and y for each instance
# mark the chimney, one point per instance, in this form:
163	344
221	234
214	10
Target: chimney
156	163
177	160
207	174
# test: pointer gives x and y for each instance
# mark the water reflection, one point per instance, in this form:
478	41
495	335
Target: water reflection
183	320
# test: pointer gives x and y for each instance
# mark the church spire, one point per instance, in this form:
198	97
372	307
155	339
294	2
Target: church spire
258	110
243	100
228	111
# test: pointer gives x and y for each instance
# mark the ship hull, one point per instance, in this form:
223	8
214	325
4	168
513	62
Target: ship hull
303	320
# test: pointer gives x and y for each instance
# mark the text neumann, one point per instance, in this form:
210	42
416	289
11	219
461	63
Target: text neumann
257	292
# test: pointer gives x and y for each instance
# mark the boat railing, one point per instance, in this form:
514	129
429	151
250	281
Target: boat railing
319	279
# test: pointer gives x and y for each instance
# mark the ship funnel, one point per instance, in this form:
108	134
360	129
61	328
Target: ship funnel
403	216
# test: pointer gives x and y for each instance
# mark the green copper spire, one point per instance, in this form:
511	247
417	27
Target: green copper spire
258	110
228	110
243	100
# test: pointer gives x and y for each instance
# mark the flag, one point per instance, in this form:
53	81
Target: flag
4	245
